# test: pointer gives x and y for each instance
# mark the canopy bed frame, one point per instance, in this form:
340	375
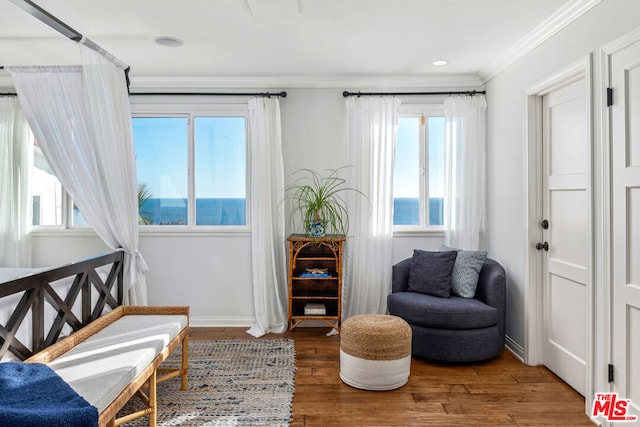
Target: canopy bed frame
37	309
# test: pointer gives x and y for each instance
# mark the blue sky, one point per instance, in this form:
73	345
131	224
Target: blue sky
407	169
161	145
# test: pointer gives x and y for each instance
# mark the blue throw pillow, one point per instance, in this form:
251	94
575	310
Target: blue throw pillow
430	272
466	271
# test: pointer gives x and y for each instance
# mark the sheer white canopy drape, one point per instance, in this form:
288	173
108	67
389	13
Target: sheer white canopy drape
370	145
465	171
16	152
268	251
81	118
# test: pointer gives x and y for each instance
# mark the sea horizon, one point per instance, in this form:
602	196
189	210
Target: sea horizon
233	211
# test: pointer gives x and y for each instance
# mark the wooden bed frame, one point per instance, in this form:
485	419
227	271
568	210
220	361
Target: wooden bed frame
37	291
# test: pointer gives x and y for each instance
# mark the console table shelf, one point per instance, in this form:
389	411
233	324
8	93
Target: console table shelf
321	291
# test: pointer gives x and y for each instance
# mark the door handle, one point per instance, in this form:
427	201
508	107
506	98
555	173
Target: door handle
541	246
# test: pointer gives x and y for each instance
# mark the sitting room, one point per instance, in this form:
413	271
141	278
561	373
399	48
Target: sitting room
305	213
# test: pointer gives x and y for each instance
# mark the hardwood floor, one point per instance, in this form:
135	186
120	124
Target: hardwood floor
501	392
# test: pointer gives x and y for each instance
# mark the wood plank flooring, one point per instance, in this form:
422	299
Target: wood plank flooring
501	392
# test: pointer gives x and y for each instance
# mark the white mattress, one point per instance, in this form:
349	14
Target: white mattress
99	368
62	286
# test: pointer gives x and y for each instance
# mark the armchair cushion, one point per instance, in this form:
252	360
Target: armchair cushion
449	313
430	272
466	270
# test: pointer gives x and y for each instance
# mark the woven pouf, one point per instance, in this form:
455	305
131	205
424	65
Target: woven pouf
375	352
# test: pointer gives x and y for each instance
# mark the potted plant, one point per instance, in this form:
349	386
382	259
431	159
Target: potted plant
317	200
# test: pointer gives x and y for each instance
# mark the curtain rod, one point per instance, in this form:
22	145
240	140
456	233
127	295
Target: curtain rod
56	24
263	94
282	94
45	17
346	93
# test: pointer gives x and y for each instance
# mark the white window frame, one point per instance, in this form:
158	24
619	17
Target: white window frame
66	214
176	106
425	111
192	108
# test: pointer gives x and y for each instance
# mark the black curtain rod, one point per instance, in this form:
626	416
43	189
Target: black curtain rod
54	23
282	94
264	94
346	93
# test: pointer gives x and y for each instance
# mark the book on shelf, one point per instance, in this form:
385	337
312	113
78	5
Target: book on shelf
312	309
315	272
316	275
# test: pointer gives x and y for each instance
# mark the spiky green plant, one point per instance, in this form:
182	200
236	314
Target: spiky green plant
317	198
144	194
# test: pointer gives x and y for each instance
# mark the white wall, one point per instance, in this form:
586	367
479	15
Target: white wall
212	272
507	240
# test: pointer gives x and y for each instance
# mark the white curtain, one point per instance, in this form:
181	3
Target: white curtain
16	152
465	176
268	246
82	120
370	145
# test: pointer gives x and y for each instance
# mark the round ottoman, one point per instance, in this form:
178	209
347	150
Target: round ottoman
375	351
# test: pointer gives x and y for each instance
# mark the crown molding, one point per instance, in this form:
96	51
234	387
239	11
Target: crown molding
564	16
204	83
207	83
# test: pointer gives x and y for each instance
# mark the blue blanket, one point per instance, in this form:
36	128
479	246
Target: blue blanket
33	395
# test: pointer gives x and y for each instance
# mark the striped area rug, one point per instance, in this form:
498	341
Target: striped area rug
231	383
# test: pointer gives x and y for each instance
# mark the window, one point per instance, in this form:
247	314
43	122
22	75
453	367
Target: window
213	146
220	170
50	201
161	146
191	170
418	188
47	195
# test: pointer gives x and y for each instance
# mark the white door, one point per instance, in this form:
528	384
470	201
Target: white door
566	206
625	164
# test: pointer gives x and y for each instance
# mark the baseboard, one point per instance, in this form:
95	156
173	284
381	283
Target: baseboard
514	347
240	322
220	322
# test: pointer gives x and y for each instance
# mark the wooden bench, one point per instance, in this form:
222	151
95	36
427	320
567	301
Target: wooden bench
112	358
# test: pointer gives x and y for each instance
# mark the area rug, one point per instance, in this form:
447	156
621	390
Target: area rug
231	383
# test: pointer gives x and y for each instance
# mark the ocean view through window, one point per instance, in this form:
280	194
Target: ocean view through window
213	148
211	211
418	186
406	211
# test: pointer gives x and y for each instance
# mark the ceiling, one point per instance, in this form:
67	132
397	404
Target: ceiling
272	42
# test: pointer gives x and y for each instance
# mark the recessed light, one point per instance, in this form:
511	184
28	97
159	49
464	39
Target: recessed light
169	41
440	62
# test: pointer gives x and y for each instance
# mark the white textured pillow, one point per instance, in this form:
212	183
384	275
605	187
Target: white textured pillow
466	271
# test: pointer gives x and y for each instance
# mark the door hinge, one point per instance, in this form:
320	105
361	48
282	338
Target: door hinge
609	96
610	368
